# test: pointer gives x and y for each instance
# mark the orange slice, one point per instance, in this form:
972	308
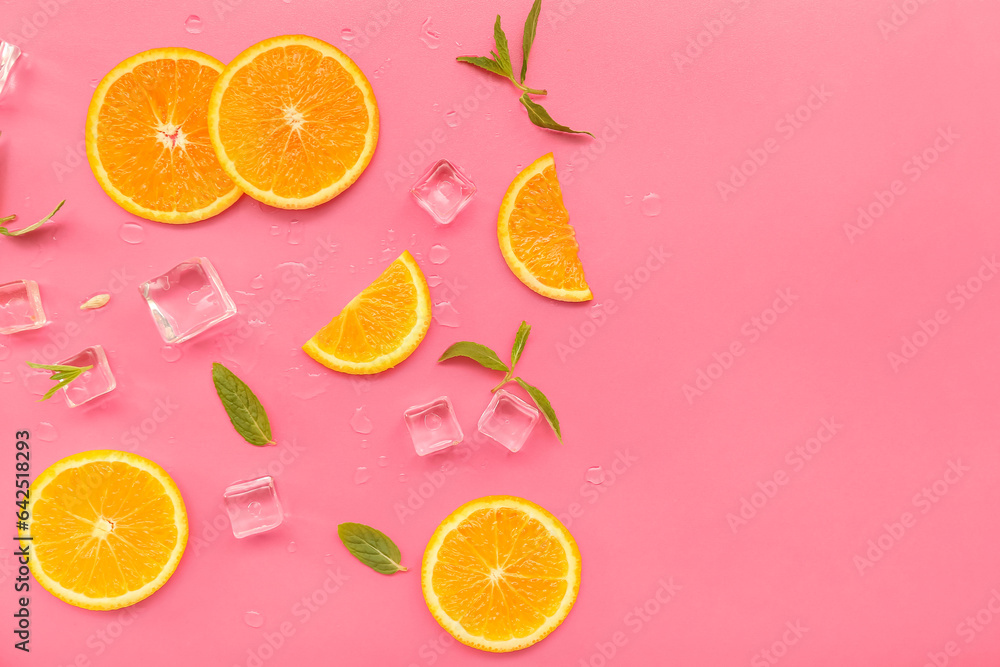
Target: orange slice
381	326
108	529
147	139
536	238
500	573
294	121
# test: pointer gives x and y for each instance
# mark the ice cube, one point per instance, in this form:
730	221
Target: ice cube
443	191
508	420
433	426
90	384
253	506
187	300
20	307
8	56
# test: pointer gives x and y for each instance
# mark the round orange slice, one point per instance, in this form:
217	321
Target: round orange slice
107	529
293	121
381	326
500	573
536	238
147	138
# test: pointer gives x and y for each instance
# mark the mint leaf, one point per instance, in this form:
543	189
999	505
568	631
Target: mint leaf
519	340
371	547
244	410
543	404
30	228
483	62
530	25
503	50
541	117
481	354
62	375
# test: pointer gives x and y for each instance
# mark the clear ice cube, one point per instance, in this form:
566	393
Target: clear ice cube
8	56
433	426
508	420
253	506
90	384
20	307
187	300
443	191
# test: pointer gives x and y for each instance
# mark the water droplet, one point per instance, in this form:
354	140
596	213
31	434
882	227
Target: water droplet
295	232
383	461
193	24
651	205
352	269
451	119
518	168
360	422
628	200
595	475
4	351
307	382
433	281
361	475
257	282
275	230
431	38
46	432
488	116
6	377
254	508
131	233
436	107
364	443
403	477
413	239
329	559
254	619
439	254
292	547
432	421
170	353
94	83
446	315
347	35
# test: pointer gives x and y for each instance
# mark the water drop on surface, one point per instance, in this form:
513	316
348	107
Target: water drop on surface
451	119
628	200
295	232
254	508
360	422
94	82
257	282
445	314
254	619
4	351
439	254
347	35
131	232
275	230
595	475
433	281
6	377
292	547
170	353
383	461
193	24
329	559
46	432
436	107
361	475
651	205
403	477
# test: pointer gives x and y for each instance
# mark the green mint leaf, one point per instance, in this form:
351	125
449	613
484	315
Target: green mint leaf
519	340
541	117
503	51
483	62
244	410
371	547
30	228
543	404
530	25
478	353
62	375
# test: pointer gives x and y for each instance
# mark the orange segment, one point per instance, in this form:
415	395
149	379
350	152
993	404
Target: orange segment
381	326
108	529
536	238
500	573
147	137
293	121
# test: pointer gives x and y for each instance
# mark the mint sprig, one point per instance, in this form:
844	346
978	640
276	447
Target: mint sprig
372	547
487	358
62	375
499	63
30	228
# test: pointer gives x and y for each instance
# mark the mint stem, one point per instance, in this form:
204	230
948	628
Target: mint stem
506	378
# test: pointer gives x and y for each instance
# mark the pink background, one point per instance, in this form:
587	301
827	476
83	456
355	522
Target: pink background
687	462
